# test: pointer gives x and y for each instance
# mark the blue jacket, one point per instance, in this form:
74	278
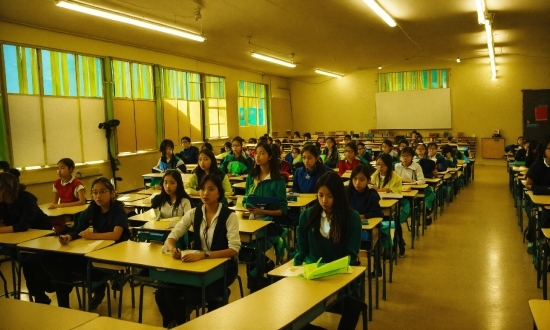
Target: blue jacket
304	181
366	203
190	156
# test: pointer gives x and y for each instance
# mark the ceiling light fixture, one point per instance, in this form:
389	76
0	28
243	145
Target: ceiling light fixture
458	60
491	47
379	68
120	17
481	11
273	60
380	12
330	74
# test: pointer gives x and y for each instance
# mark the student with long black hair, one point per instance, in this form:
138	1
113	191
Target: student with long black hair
331	230
306	177
173	200
331	153
238	162
207	165
168	160
109	221
19	212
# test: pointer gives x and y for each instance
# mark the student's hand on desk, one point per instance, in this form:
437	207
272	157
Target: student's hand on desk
86	234
53	206
435	172
176	253
190	257
256	210
382	189
64	239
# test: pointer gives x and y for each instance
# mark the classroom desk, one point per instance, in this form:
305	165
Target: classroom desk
346	175
239	185
10	241
539	201
539	310
19	314
185	176
373	228
132	197
51	244
191	167
544	256
149	191
238	178
291	303
71	210
144	203
103	322
390	207
162	267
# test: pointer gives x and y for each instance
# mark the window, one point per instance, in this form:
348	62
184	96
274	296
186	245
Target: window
412	80
134	106
215	106
47	118
252	104
89	76
181	104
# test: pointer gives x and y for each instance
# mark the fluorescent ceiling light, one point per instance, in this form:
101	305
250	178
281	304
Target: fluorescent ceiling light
480	5
330	74
380	12
112	15
490	46
273	60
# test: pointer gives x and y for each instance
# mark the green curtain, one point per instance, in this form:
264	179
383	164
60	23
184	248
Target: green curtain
412	80
89	76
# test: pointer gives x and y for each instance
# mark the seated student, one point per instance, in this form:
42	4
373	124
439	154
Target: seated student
402	144
227	147
269	140
305	177
219	228
295	159
363	154
531	155
364	200
450	157
429	170
284	166
307	136
513	148
277	142
67	190
347	138
350	160
265	180
414	143
414	134
440	162
238	162
4	166
384	179
169	161
387	148
189	154
109	222
172	201
207	146
331	230
19	212
332	157
296	135
521	152
207	165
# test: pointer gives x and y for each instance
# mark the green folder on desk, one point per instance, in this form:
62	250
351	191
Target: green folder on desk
318	270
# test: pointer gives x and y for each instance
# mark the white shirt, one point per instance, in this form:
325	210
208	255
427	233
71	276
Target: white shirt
409	173
232	224
76	190
325	225
168	210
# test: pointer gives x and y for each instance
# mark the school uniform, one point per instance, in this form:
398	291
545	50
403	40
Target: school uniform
222	234
521	154
314	243
62	267
530	159
24	214
190	155
395	183
168	210
366	203
173	163
367	156
332	157
192	185
344	165
440	162
413	172
539	172
67	191
236	166
304	180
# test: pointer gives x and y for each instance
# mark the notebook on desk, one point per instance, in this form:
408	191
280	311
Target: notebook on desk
262	202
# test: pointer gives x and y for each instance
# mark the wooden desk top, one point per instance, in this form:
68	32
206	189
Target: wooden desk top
160	225
546	232
150	255
39	316
238	178
71	210
23	236
145	216
346	175
132	197
373	222
280	272
149	191
519	168
185	176
191	167
288	299
303	200
103	322
419	186
146	202
411	193
539	199
79	246
247	226
539	310
385	203
432	180
240	185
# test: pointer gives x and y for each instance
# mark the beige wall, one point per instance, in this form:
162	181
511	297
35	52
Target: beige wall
479	104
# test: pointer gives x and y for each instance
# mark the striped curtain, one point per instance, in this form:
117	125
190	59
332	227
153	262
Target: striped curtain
252	104
142	81
21	68
90	77
194	86
412	80
121	79
58	73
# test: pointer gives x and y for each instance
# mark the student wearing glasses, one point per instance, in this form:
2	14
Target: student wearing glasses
350	160
189	154
216	236
331	153
363	154
440	163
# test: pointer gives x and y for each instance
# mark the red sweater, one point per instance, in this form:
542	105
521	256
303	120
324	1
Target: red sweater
344	166
68	193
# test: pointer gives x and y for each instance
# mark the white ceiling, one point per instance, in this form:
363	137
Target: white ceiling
342	36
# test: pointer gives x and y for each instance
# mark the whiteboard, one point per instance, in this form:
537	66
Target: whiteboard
423	109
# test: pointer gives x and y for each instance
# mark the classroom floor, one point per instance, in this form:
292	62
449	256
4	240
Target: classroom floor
469	271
